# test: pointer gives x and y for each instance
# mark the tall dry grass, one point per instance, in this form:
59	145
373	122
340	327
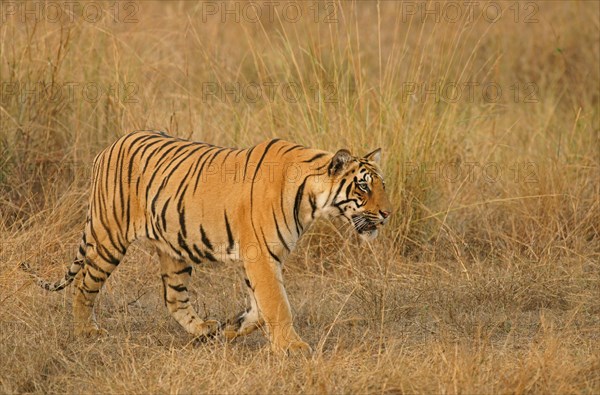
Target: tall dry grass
486	280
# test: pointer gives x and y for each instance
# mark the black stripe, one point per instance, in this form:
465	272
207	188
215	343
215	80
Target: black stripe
105	255
178	287
101	214
184	179
173	248
185	247
297	203
198	166
313	205
314	158
226	156
206	161
322	167
163	215
119	185
338	204
205	239
181	211
281	238
264	154
254	177
187	270
106	171
164	159
118	182
160	188
117	245
158	152
247	160
229	234
348	189
178	301
210	256
153	204
215	155
94	278
108	257
198	251
204	254
185	156
285	144
164	282
273	255
292	148
139	144
281	194
339	189
93	265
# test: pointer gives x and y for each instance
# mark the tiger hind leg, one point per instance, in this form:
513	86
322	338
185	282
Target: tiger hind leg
176	275
97	268
245	322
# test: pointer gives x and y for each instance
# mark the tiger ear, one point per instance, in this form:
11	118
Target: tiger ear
374	156
339	162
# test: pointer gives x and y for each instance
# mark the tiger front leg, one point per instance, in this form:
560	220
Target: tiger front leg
266	283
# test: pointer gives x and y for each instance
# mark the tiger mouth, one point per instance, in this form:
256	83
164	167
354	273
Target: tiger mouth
364	225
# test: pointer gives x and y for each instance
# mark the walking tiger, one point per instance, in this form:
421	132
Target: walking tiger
197	202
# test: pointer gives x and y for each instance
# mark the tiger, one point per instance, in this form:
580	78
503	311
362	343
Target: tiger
199	203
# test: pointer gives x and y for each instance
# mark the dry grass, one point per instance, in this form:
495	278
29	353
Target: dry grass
486	281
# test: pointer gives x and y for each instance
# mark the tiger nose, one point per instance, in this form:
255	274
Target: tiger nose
384	214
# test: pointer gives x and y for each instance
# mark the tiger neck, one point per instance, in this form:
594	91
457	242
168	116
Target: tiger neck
311	199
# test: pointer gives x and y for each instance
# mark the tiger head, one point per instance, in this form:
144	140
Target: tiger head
360	194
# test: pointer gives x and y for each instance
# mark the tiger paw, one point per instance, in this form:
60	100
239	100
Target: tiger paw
232	327
293	348
241	325
299	348
207	330
230	333
90	331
